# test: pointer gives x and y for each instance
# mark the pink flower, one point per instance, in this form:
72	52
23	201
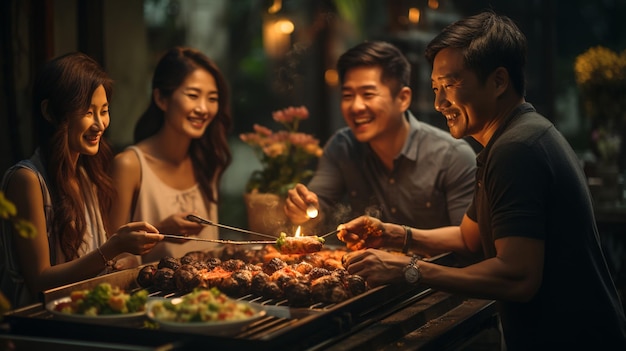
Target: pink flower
274	150
262	130
285	155
290	114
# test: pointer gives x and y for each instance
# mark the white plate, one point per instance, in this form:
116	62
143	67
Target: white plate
220	328
110	319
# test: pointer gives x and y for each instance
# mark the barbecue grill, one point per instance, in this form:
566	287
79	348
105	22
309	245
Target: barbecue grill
386	317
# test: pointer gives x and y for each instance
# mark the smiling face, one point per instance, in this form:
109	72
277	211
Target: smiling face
85	130
468	105
368	106
192	106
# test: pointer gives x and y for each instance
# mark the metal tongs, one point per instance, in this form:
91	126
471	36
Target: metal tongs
194	218
220	241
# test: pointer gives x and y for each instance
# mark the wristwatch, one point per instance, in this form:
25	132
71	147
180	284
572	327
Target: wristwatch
412	272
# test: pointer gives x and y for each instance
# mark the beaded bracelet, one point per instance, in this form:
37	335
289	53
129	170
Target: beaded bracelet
107	263
407	239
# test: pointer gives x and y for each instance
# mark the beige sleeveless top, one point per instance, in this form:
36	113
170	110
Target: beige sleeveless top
156	201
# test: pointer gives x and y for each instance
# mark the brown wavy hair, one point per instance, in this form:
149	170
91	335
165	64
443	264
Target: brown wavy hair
67	83
210	154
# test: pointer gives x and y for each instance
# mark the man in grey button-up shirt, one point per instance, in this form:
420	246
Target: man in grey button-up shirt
386	163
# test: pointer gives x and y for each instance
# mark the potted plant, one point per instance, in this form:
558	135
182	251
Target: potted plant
287	157
601	80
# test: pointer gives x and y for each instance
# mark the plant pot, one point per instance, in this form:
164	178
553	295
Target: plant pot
265	213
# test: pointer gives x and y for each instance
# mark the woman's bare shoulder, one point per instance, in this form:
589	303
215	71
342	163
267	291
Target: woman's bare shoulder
23	188
126	169
23	178
127	160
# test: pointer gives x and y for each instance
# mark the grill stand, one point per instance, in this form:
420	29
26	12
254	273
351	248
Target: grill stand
383	318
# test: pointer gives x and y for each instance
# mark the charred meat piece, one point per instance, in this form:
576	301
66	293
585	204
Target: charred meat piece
299	244
282	276
238	284
355	284
253	267
196	259
341	274
328	289
273	291
302	267
188	260
187	278
274	265
193	256
297	292
164	279
233	265
259	283
230	252
145	277
318	272
213	262
332	264
200	265
215	276
316	260
169	262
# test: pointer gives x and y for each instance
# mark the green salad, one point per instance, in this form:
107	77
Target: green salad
201	305
103	299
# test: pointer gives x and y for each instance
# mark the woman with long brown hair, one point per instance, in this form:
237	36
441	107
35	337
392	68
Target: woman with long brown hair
181	152
64	189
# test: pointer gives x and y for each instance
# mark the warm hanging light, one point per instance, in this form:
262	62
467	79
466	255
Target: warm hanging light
414	15
276	6
433	4
284	26
331	77
277	36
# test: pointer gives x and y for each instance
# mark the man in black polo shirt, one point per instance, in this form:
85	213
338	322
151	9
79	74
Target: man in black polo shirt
531	220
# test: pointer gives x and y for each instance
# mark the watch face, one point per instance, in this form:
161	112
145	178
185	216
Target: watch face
411	274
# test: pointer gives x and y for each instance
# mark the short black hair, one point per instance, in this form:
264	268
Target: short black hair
395	67
488	41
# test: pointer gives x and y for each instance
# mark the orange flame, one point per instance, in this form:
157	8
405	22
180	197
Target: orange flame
298	232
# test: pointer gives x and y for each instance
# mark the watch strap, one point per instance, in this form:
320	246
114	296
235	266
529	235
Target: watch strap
408	235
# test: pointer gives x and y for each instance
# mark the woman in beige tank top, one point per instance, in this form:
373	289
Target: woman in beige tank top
180	153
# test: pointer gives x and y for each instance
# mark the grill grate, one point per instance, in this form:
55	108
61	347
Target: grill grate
283	326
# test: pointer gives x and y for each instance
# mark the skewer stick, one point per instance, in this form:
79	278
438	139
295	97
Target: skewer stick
330	233
219	241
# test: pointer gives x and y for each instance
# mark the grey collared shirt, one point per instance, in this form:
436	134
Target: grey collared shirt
431	184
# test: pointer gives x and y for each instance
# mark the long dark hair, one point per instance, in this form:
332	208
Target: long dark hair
67	83
210	154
